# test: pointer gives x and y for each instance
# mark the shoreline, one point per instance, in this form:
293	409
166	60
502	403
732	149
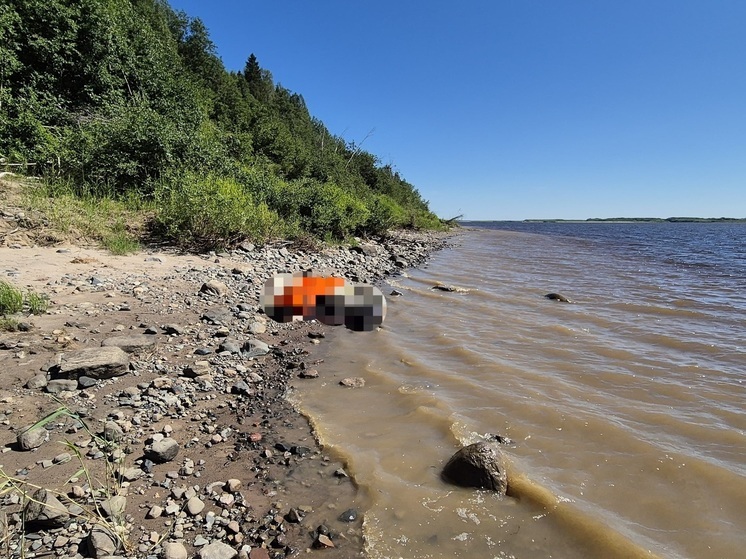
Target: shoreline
248	472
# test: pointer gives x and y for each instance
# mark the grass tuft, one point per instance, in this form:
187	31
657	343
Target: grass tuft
11	299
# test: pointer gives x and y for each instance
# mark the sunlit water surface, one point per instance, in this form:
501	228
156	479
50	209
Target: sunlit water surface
627	406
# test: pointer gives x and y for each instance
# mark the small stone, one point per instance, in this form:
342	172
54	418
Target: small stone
114	506
195	506
36	382
350	515
174	550
233	485
132	474
353	382
101	542
113	432
45	508
214	287
62	458
61	385
173	329
32	438
154	512
164	450
323	541
309	373
86	382
217	550
255	348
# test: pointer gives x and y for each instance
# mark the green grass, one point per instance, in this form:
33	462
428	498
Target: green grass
115	222
8	324
37	304
11	299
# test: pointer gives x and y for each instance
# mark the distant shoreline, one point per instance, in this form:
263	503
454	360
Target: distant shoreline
619	220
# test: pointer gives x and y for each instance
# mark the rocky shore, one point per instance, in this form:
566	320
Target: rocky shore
143	415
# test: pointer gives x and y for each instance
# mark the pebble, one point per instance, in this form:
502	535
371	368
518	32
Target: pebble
217	550
174	550
195	506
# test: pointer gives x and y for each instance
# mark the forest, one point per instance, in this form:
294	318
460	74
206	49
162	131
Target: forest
129	98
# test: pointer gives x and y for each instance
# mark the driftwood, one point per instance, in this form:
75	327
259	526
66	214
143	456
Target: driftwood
452	220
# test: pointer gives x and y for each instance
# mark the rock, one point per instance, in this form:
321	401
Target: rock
217	550
98	363
257	328
38	381
112	432
557	297
173	329
255	348
131	474
233	485
32	438
114	506
479	465
309	373
101	542
195	506
44	508
215	287
241	388
61	385
62	458
154	512
350	515
218	315
323	541
174	550
86	382
164	450
130	344
197	369
353	382
230	346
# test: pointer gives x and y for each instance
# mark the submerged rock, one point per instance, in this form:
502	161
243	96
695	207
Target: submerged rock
557	297
480	465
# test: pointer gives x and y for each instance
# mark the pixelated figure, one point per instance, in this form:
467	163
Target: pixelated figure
328	299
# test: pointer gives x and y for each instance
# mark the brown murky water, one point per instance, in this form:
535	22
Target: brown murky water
628	407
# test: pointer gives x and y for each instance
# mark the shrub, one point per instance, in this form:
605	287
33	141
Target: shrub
385	214
321	209
212	212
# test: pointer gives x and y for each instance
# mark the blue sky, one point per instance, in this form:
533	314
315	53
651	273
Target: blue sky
516	109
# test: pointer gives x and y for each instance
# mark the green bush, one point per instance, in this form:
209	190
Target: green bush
385	214
211	212
322	209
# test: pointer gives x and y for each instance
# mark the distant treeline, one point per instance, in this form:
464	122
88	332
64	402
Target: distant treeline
649	219
130	97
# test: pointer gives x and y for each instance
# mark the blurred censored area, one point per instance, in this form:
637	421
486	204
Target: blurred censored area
330	300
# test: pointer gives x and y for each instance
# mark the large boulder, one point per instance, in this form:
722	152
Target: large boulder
479	465
97	363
